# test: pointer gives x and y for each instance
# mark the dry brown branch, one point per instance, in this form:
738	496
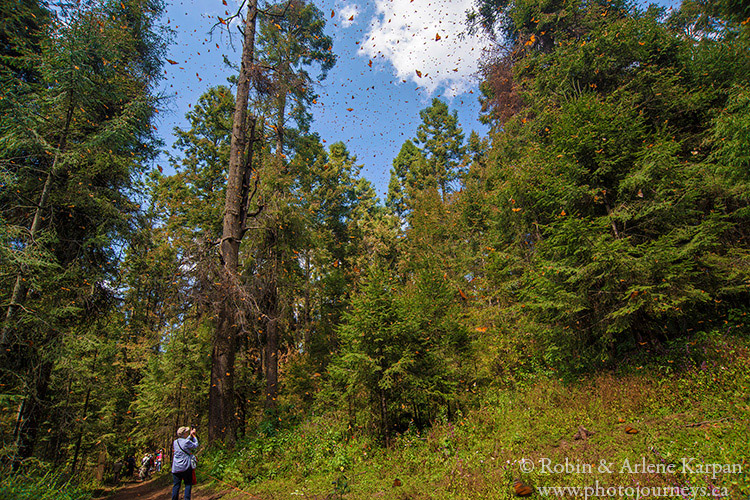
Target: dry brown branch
698	424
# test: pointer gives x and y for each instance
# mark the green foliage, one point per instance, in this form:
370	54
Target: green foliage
344	230
612	219
84	134
174	389
191	201
23	23
477	454
442	142
92	404
405	177
74	134
399	347
291	40
731	141
315	447
602	225
437	165
49	486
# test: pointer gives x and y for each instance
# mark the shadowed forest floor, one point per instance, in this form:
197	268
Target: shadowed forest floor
161	489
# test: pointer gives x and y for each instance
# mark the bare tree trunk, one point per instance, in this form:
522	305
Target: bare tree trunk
221	416
80	432
307	313
384	426
221	393
31	413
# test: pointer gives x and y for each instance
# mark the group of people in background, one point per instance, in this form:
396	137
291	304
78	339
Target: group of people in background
150	463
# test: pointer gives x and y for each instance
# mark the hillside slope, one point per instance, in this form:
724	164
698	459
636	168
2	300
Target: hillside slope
687	412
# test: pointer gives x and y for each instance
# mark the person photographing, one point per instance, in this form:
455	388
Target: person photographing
183	463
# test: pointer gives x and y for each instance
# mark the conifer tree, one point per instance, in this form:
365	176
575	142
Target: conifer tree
409	168
399	344
441	140
72	146
291	40
604	226
437	164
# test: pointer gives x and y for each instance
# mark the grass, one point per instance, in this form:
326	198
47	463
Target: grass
689	405
42	486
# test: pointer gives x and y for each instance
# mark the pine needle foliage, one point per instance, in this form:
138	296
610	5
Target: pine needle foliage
617	187
73	140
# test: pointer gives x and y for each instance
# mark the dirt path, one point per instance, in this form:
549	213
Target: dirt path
161	489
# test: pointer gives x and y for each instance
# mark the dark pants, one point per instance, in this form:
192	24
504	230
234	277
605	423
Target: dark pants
179	477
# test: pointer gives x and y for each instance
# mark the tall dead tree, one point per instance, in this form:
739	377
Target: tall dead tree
221	413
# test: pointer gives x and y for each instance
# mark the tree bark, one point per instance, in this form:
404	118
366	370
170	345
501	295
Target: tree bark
384	426
31	413
272	364
221	393
277	258
221	416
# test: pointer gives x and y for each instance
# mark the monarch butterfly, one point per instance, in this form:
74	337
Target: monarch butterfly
630	430
521	489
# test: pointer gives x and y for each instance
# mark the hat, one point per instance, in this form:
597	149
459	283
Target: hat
183	431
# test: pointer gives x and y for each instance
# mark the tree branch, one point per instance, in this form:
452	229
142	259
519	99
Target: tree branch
698	424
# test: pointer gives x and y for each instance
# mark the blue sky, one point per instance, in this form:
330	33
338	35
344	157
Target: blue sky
394	56
386	97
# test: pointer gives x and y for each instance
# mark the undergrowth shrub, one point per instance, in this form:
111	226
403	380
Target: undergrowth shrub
42	485
320	445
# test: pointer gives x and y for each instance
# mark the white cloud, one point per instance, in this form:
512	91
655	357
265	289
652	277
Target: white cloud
348	14
428	36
